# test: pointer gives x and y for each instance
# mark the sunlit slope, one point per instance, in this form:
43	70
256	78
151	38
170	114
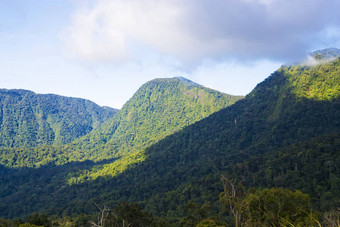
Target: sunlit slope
159	108
249	140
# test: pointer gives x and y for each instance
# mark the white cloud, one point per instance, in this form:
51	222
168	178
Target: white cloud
193	30
111	29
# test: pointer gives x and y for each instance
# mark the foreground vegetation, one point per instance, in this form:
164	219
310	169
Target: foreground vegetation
255	207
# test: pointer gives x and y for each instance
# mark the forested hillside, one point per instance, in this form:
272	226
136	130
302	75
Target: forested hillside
159	108
268	139
159	152
28	119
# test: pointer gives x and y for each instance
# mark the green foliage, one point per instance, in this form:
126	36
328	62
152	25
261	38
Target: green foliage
28	225
275	137
278	207
208	223
158	109
38	220
310	166
132	214
232	198
7	223
320	82
28	119
194	214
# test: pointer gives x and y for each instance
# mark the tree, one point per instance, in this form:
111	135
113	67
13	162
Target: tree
208	223
232	197
332	218
278	207
131	214
28	225
38	220
195	213
101	217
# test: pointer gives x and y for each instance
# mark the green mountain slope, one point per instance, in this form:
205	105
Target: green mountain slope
28	119
278	119
270	138
283	134
159	108
248	140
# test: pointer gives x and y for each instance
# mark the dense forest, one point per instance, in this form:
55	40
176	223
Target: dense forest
174	153
28	119
159	108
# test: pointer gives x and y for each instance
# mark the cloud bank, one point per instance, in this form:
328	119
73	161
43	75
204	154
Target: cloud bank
194	30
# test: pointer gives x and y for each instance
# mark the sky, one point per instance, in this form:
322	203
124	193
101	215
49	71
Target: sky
104	50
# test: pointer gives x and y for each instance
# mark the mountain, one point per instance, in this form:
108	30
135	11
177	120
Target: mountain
269	139
285	133
329	53
28	119
159	108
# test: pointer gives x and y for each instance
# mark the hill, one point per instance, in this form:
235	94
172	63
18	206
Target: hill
268	139
250	141
28	119
159	108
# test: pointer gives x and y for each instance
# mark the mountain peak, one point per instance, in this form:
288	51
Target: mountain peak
186	81
174	79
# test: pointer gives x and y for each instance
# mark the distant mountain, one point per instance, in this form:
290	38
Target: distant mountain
28	119
326	53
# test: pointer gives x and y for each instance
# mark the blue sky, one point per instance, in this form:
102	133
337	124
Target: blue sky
105	50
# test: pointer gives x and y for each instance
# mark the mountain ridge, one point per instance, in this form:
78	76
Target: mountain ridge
186	165
30	119
267	139
328	53
159	108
